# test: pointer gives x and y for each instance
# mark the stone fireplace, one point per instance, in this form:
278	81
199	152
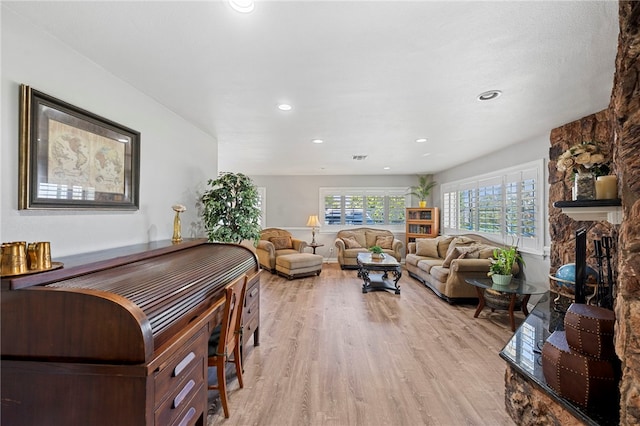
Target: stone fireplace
618	130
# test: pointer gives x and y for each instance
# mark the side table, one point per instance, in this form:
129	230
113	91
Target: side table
314	246
514	289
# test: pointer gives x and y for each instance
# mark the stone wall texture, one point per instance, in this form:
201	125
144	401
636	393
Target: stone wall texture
596	127
528	405
618	129
625	107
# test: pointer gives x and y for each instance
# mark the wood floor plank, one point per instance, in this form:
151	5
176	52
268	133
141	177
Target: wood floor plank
331	355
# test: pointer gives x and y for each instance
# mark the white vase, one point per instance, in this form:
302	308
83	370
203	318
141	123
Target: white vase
501	279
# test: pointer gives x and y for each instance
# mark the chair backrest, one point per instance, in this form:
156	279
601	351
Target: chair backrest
267	233
232	317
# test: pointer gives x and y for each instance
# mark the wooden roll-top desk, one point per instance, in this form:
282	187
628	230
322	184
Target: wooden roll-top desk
119	337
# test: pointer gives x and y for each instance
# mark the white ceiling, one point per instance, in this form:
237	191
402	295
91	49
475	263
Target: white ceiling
368	78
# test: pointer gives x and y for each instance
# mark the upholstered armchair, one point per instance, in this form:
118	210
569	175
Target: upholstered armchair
275	242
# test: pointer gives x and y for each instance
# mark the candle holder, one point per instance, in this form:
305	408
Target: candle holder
177	227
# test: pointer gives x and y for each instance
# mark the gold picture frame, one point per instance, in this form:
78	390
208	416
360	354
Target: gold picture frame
73	159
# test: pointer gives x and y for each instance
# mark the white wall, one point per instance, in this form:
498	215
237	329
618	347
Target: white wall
176	157
537	268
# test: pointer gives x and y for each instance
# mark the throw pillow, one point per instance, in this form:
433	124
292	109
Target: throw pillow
351	242
427	247
471	252
280	243
386	242
460	241
443	245
453	254
486	251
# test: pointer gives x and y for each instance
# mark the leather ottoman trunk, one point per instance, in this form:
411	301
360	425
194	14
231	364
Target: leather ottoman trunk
589	330
583	380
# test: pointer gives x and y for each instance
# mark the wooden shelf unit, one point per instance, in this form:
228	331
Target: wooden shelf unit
422	223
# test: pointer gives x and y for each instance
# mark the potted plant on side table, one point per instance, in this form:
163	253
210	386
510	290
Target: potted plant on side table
501	268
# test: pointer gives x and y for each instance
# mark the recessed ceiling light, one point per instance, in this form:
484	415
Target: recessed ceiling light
489	95
426	154
421	140
242	6
387	168
317	140
285	107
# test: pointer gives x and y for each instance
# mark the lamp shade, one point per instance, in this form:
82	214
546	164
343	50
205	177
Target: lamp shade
313	221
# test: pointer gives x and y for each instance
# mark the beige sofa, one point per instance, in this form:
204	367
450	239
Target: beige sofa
350	242
443	264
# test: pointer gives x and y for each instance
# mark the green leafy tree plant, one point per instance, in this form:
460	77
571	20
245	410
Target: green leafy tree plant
230	209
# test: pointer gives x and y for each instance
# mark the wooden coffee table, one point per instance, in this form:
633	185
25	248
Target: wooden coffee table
381	280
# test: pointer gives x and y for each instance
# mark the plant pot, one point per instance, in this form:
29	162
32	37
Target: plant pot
377	255
501	279
422	204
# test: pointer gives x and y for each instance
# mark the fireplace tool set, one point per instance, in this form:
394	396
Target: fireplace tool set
604	293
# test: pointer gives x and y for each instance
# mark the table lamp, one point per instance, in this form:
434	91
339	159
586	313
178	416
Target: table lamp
313	222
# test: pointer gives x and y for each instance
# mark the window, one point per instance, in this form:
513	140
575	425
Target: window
262	205
503	206
363	206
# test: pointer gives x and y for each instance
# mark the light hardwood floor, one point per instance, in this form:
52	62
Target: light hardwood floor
331	355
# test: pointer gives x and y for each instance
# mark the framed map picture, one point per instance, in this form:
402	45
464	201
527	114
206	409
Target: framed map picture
73	159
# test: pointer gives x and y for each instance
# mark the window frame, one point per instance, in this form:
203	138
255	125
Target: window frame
362	192
262	195
450	195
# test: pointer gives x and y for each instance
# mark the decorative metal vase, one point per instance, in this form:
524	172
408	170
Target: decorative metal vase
177	226
584	186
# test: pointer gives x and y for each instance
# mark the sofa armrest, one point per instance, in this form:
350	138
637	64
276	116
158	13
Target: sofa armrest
470	265
298	245
340	245
397	248
411	248
266	246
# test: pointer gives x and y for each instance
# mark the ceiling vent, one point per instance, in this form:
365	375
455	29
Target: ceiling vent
359	157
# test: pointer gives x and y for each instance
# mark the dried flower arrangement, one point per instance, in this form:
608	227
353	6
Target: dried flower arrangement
583	158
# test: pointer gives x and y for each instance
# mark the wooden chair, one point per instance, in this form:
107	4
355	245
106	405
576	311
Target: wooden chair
227	341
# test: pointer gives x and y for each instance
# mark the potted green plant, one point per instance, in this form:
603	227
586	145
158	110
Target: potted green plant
423	189
230	209
376	252
501	268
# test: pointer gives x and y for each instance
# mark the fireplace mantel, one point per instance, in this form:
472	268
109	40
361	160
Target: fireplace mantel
593	210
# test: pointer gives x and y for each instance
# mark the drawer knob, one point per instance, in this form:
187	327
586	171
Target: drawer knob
183	393
183	364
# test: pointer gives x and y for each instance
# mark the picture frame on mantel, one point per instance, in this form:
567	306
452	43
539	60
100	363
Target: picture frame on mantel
73	159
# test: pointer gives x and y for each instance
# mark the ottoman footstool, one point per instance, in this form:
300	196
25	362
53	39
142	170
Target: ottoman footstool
298	265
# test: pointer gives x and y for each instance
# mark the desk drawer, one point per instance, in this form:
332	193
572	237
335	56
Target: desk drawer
194	353
251	312
188	394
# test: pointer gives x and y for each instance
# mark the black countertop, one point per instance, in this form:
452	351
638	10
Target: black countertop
524	353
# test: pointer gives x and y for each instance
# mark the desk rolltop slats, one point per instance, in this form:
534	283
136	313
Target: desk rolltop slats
147	301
